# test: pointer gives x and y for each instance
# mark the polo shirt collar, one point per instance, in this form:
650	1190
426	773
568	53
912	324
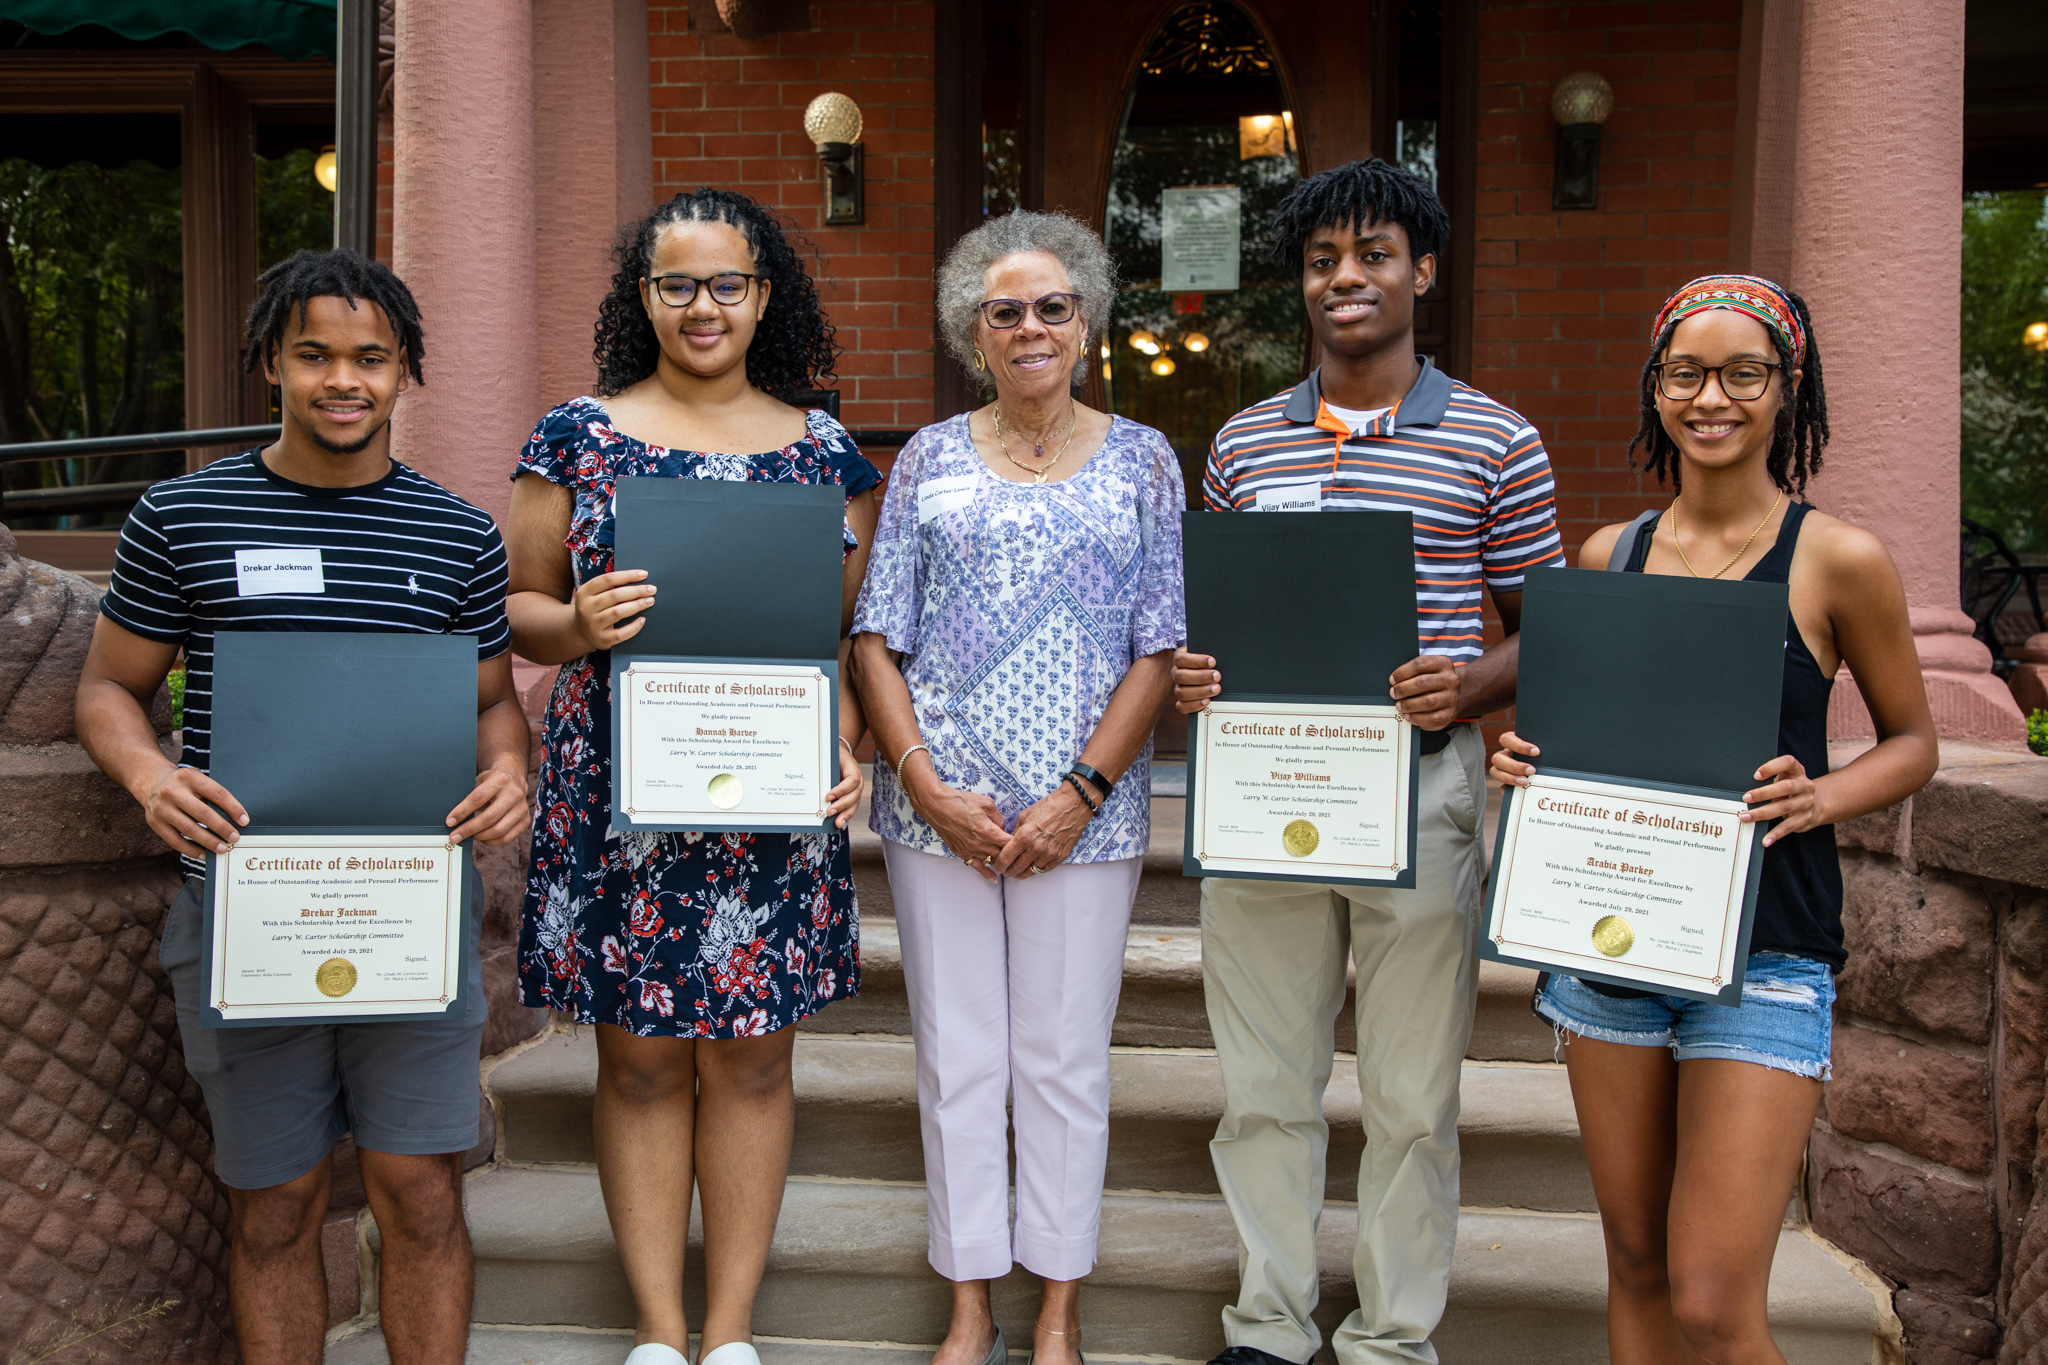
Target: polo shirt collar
1424	406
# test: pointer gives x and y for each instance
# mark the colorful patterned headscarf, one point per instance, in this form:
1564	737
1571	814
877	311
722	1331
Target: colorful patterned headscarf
1768	303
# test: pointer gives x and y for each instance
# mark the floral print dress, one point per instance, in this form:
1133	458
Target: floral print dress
671	934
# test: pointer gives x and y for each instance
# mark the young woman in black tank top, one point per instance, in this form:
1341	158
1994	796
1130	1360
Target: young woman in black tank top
1695	1115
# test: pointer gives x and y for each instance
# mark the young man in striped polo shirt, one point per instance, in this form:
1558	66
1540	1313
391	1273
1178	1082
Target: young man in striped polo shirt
1375	426
321	531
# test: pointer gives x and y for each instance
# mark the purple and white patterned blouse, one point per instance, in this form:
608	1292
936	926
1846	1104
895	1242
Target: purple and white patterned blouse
1018	609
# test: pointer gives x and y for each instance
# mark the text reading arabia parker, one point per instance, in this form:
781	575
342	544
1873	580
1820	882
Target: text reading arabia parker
1625	816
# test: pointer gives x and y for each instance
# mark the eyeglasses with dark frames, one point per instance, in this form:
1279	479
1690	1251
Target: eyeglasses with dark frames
1742	380
727	288
1053	310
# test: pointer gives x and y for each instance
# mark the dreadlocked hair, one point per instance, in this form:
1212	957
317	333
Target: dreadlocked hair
1354	195
338	273
793	345
1798	433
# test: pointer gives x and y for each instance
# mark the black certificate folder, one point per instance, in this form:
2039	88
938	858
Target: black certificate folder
1302	611
748	575
744	570
1668	686
344	730
363	734
1301	605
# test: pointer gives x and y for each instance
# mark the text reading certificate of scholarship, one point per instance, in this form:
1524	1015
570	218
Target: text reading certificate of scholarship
1626	882
1312	790
725	746
315	927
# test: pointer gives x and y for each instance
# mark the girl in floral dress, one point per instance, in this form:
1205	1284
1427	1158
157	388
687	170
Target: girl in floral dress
694	954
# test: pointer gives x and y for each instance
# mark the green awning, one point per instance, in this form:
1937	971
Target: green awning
290	28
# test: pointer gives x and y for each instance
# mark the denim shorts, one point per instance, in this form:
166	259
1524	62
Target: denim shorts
1785	1021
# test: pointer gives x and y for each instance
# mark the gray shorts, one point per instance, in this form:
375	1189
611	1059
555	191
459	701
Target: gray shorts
281	1098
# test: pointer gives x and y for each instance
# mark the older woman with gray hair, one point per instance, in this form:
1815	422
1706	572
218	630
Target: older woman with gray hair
1013	647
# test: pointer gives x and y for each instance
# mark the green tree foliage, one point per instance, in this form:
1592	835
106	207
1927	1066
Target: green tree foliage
2005	379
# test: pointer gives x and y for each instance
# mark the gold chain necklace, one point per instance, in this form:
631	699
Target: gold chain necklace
1738	554
1038	450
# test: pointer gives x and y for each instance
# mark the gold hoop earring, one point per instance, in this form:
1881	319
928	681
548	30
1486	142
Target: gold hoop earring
980	361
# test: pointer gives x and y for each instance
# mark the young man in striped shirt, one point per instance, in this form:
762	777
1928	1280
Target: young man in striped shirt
1375	426
321	531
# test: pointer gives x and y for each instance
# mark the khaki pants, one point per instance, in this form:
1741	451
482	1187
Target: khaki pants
1273	971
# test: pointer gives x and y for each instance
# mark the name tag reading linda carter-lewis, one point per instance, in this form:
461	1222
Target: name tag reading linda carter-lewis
1291	497
262	573
936	497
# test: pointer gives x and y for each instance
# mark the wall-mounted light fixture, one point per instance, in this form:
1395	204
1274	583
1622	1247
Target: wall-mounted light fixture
1580	104
832	121
2035	338
326	170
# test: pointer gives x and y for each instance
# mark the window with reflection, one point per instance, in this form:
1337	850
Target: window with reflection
1206	322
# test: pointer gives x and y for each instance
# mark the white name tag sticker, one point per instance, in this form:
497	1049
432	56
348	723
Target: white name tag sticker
1291	497
936	497
262	573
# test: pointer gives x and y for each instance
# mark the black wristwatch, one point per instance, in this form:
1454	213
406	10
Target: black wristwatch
1096	779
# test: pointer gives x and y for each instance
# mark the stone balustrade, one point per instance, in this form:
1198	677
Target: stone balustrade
1926	1163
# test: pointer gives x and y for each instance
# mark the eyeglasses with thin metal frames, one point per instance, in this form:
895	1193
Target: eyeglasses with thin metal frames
1738	389
677	290
1052	309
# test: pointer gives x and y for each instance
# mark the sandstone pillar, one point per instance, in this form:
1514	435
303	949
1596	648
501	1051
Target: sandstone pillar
111	1212
464	206
593	170
1879	156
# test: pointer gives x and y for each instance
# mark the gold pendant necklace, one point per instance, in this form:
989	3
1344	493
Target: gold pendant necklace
1038	451
1738	554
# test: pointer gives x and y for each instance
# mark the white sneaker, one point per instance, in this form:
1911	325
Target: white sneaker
732	1353
654	1353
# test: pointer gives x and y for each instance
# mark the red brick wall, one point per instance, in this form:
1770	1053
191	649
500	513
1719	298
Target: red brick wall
1562	300
730	113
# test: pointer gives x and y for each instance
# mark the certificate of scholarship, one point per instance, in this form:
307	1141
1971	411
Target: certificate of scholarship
335	927
1625	883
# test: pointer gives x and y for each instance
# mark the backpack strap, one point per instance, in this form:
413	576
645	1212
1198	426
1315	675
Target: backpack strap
1625	546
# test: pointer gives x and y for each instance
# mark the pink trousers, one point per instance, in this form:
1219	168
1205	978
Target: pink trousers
1012	986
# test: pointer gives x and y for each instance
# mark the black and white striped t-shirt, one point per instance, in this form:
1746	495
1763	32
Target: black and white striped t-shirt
235	547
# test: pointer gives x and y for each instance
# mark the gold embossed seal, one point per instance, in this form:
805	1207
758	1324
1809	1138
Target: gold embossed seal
1300	839
1613	936
336	977
725	791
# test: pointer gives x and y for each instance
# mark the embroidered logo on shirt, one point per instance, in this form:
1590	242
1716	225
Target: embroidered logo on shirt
265	573
412	583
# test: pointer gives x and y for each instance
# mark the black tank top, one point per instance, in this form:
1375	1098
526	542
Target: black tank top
1799	901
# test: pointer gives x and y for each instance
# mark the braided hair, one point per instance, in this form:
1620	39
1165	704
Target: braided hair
1798	434
793	344
338	273
1354	195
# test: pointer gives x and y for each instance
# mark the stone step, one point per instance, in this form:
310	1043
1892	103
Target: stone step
556	1346
857	1117
848	1264
1162	998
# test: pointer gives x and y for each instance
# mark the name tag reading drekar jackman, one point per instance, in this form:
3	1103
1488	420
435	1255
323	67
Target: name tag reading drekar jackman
309	928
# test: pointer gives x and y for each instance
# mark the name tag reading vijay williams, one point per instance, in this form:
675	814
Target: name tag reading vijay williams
1638	886
335	928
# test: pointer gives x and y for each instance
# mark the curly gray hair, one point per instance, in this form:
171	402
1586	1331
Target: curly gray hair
963	277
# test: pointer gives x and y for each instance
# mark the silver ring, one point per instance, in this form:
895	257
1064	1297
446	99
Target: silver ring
1035	868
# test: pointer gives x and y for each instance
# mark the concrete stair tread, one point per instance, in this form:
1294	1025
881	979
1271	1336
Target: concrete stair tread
879	1071
1162	1002
849	1263
560	1346
857	1116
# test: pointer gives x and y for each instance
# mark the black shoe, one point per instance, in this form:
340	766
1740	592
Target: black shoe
1249	1355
